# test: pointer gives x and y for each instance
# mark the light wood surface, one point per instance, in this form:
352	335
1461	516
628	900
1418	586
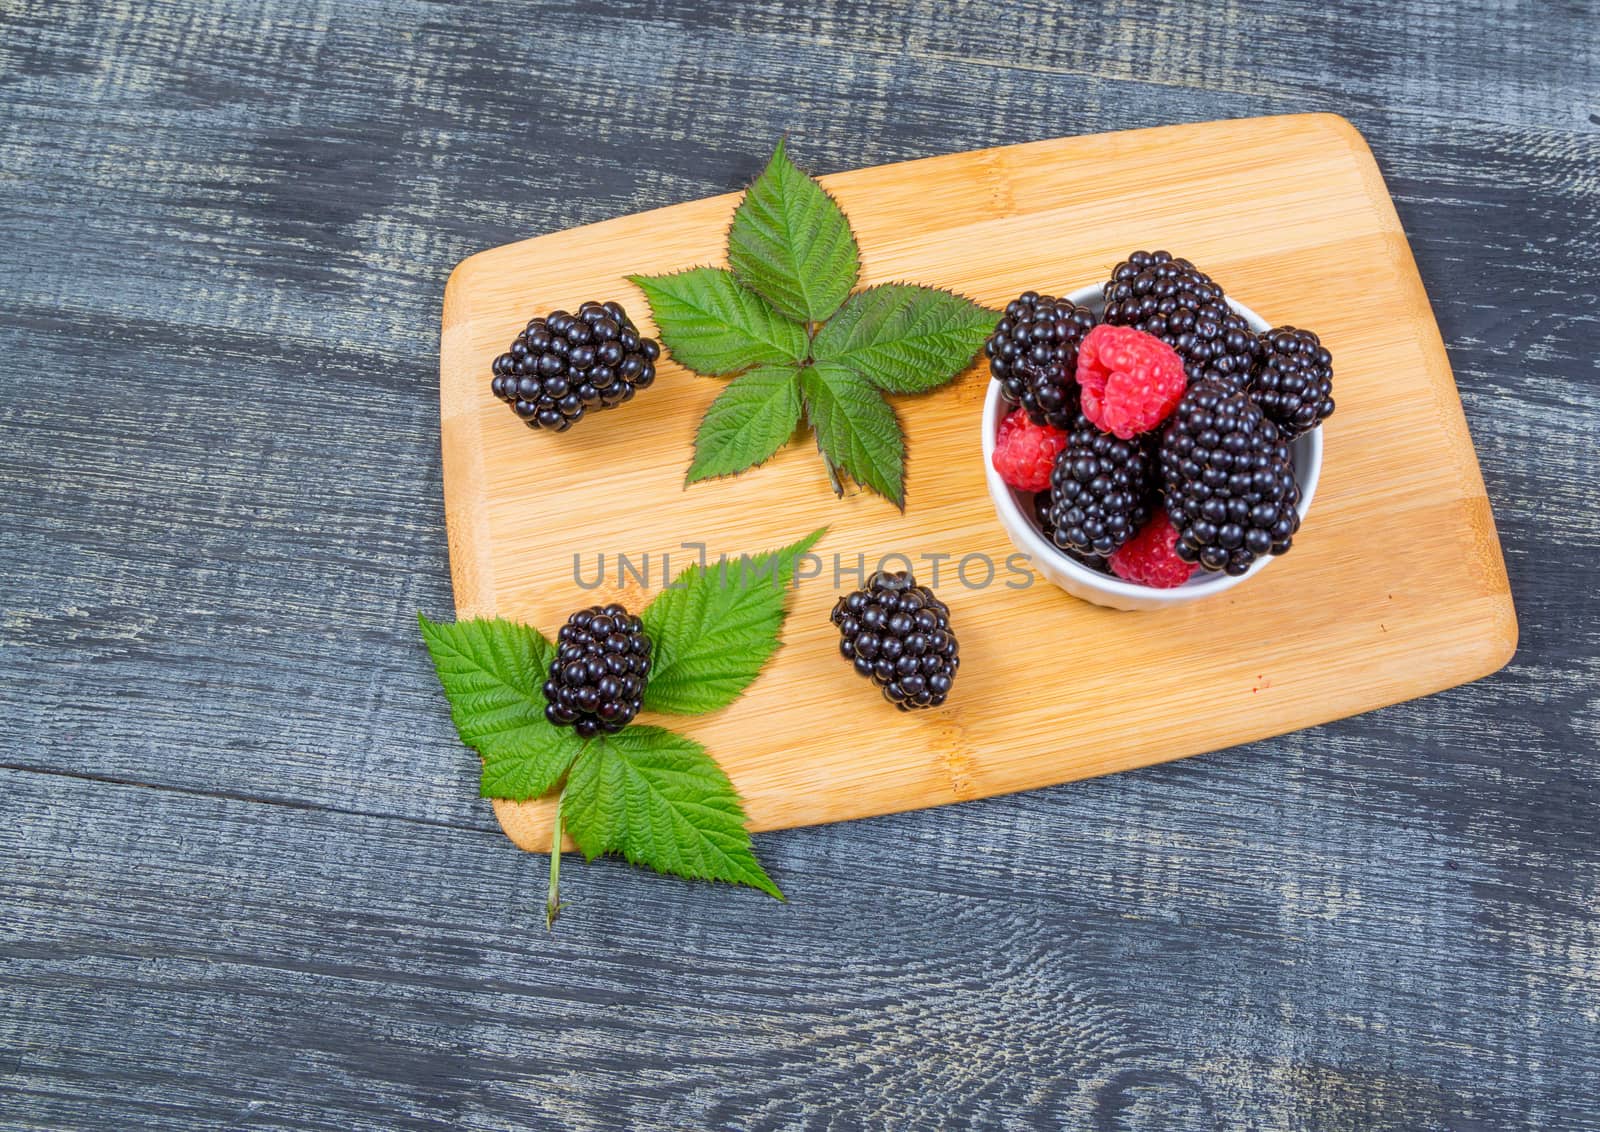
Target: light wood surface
1395	587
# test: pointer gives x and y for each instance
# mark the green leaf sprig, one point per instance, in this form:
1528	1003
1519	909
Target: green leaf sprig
782	322
655	797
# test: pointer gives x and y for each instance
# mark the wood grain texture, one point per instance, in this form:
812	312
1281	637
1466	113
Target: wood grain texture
1050	988
246	878
1396	587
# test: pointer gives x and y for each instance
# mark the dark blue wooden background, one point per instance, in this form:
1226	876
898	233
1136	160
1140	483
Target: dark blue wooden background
246	881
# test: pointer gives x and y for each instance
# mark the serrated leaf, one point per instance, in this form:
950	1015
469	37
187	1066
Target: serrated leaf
660	800
791	242
493	673
714	325
748	422
905	338
715	627
857	430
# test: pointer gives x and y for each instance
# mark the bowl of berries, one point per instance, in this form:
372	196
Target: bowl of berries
1150	442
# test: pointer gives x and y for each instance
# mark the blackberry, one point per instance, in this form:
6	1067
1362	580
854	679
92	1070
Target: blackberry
1100	490
1181	305
1041	514
597	679
898	635
563	365
1230	487
1041	519
1293	381
1033	353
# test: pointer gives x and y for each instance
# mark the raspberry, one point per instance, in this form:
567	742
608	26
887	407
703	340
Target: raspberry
897	634
563	365
1150	558
596	681
1025	452
1131	380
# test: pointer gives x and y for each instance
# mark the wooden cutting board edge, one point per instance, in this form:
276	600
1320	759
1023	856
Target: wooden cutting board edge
527	824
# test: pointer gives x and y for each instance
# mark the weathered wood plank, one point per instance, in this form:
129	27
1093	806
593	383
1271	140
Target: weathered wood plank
186	961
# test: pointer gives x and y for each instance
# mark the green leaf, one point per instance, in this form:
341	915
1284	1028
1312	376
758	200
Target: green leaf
791	242
715	326
714	627
659	800
856	429
748	422
905	338
493	673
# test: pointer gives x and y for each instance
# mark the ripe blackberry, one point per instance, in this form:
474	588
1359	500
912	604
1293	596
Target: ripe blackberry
1230	487
1100	490
563	365
1181	305
597	679
1041	519
1033	353
898	635
1293	381
1041	514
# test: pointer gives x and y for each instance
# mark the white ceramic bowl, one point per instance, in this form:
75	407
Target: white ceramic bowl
1016	511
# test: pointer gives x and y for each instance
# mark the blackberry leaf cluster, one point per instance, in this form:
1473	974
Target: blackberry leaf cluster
556	718
782	321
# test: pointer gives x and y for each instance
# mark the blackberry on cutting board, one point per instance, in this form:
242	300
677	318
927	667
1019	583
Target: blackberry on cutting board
1293	381
1181	305
1100	490
597	678
563	365
897	634
1033	354
1230	487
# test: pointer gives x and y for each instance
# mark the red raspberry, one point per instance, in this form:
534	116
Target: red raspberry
1149	559
1131	380
1025	452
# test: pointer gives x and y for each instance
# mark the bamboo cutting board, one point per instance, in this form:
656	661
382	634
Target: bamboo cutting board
1395	587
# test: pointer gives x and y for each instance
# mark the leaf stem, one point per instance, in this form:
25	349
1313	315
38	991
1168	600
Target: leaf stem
552	900
833	472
